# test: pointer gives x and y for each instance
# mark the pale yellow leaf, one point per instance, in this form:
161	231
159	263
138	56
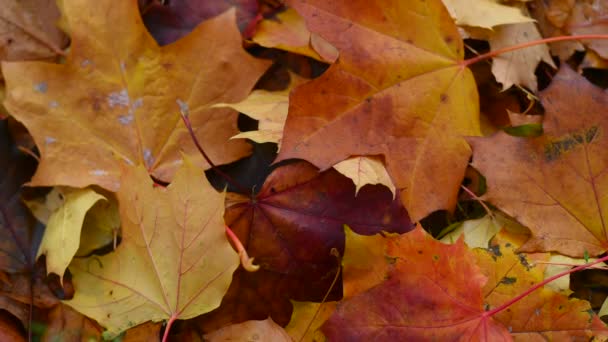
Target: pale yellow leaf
477	233
366	170
62	234
604	309
43	208
269	108
101	226
560	263
518	67
266	330
484	13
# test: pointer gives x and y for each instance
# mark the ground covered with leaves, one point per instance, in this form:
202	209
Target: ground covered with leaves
303	171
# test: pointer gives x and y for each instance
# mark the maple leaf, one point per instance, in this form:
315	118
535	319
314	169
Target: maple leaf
62	234
28	30
397	89
174	261
365	170
250	331
517	67
541	315
65	324
118	98
554	184
307	319
290	228
17	248
484	13
269	108
175	19
287	31
433	293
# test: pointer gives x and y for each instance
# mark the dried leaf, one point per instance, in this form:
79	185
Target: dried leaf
28	30
265	330
397	90
125	96
518	67
174	261
365	170
269	108
287	31
61	237
484	13
554	184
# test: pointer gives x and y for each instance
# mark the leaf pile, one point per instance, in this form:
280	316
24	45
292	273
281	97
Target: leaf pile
382	184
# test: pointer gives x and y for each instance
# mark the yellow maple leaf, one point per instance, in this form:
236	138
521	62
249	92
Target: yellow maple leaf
174	261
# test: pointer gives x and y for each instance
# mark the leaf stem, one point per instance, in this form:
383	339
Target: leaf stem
168	327
475	197
224	175
495	53
335	253
246	261
541	284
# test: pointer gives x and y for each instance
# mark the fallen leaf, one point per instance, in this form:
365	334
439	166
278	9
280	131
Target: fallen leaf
9	330
518	67
365	170
174	261
290	227
101	223
365	262
28	30
17	249
476	233
265	330
101	227
61	237
553	184
252	296
172	20
551	17
589	17
560	263
128	94
287	31
484	13
541	315
593	60
269	108
66	325
143	332
433	293
22	290
397	90
297	219
307	319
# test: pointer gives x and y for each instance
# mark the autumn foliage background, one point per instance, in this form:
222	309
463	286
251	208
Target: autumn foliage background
394	173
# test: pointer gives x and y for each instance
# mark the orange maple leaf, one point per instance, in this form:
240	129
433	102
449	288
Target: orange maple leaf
118	97
397	89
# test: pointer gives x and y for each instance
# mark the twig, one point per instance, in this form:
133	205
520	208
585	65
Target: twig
227	178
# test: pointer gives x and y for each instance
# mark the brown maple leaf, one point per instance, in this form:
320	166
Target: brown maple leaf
555	184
